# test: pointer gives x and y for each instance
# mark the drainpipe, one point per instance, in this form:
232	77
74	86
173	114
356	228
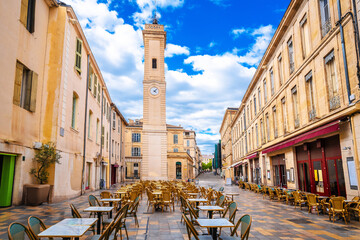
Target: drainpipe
110	146
101	127
344	53
121	152
86	103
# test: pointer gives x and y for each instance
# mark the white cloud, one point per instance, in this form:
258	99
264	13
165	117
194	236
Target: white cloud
196	101
237	32
222	3
172	49
212	44
147	8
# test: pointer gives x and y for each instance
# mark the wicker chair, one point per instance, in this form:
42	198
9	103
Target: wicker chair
166	201
75	214
245	222
289	197
17	231
337	208
312	202
281	196
192	231
298	200
133	210
36	226
232	208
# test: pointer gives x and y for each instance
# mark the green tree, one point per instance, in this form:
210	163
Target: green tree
44	157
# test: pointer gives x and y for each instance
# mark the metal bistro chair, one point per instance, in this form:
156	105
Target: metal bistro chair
232	208
17	231
75	214
245	222
36	226
192	231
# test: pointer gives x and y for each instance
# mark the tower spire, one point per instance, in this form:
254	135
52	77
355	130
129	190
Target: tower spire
155	20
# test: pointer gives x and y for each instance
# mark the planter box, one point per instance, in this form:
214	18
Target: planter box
36	194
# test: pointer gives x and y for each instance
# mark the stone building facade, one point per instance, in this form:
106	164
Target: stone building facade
53	91
297	125
226	145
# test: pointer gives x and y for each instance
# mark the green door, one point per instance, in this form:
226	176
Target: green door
7	166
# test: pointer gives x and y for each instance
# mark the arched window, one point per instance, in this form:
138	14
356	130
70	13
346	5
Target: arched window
74	110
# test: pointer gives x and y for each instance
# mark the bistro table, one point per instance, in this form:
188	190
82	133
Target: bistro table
192	194
68	228
197	200
210	209
110	201
232	195
99	211
213	224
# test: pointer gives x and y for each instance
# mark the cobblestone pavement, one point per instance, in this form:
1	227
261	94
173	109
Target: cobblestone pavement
271	219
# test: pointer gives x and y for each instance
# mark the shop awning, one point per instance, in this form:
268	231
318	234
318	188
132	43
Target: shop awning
237	164
115	165
325	129
251	156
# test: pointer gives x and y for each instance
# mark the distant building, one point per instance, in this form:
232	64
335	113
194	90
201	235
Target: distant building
226	145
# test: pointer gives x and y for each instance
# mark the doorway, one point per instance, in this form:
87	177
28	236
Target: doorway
320	167
7	168
87	178
178	170
279	170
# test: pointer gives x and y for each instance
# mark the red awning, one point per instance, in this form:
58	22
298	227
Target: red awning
325	129
254	155
115	165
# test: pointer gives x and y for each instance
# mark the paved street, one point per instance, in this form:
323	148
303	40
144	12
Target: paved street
271	219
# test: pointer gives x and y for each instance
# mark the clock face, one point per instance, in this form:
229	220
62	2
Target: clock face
154	91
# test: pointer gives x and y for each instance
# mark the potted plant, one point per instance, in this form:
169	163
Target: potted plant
44	157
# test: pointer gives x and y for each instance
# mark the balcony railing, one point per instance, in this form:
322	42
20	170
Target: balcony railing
325	28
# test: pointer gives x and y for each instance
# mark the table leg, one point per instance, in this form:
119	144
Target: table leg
111	203
210	214
213	233
99	222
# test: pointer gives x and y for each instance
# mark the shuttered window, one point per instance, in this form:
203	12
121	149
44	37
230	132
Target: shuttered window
99	95
27	14
176	139
91	78
95	85
74	111
25	87
78	55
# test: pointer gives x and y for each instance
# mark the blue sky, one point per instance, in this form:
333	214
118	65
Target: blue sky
213	48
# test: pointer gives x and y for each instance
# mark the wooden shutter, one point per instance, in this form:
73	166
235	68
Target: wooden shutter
78	55
24	12
90	77
98	97
95	86
34	82
31	16
18	81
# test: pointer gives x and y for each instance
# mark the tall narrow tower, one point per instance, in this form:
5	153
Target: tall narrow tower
154	160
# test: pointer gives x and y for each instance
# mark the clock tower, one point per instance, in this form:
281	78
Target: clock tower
154	139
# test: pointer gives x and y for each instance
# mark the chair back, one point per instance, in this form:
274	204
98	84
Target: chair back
135	205
166	196
105	194
190	228
193	213
232	211
93	201
245	222
109	229
356	199
221	201
74	212
311	198
17	231
36	226
337	203
221	189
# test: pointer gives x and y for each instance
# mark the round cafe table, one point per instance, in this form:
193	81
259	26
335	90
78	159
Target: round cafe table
232	195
